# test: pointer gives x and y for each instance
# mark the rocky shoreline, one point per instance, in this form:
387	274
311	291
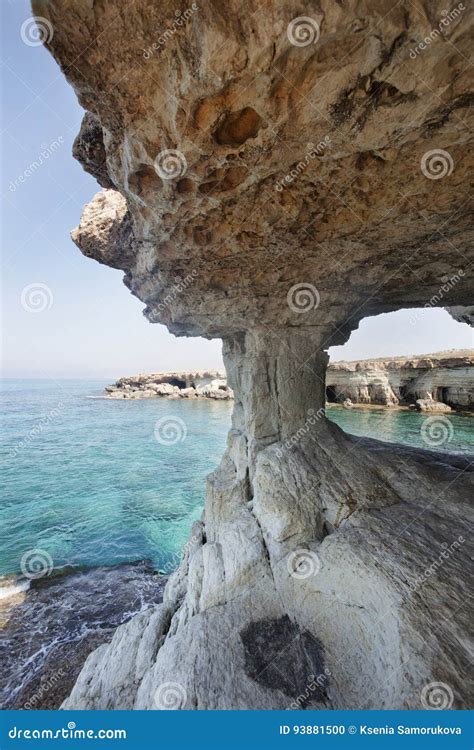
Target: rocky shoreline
437	382
430	382
42	653
182	384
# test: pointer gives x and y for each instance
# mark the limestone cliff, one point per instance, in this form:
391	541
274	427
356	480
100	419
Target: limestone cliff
445	377
274	172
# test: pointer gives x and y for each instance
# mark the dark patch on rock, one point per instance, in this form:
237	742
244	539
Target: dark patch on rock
441	116
341	110
88	148
281	656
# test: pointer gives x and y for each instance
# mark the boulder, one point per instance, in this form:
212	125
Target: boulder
426	404
188	393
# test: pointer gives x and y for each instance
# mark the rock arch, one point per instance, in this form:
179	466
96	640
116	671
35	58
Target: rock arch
290	245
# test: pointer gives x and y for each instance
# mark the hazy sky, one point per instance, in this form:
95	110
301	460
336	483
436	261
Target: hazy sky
91	325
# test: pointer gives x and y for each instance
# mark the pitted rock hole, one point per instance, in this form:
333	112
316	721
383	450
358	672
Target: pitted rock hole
220	181
144	182
185	186
238	127
281	656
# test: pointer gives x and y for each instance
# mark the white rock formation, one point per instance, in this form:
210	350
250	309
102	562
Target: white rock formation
182	384
322	560
446	377
306	565
313	569
427	404
442	377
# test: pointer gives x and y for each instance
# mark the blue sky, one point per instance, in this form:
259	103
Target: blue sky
92	326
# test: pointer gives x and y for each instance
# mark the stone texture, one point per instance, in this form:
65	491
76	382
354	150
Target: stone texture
105	232
89	150
462	314
244	106
369	613
444	377
299	199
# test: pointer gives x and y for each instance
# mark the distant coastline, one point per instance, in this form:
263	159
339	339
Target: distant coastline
441	381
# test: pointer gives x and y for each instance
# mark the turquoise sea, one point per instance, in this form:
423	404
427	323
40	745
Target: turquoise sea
86	480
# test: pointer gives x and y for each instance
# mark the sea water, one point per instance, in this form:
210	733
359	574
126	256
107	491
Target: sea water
94	482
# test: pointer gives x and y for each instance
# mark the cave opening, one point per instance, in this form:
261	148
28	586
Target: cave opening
443	394
331	396
177	382
406	396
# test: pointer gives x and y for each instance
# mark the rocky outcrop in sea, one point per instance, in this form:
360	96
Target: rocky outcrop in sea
182	384
429	382
274	174
445	378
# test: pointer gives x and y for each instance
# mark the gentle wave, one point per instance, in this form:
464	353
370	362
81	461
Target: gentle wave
11	586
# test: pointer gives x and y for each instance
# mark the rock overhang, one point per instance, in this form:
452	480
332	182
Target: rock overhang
268	182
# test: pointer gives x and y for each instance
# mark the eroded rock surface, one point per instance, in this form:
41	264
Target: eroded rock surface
348	575
445	377
241	107
274	192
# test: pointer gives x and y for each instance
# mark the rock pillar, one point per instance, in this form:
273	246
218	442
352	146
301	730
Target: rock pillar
278	378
